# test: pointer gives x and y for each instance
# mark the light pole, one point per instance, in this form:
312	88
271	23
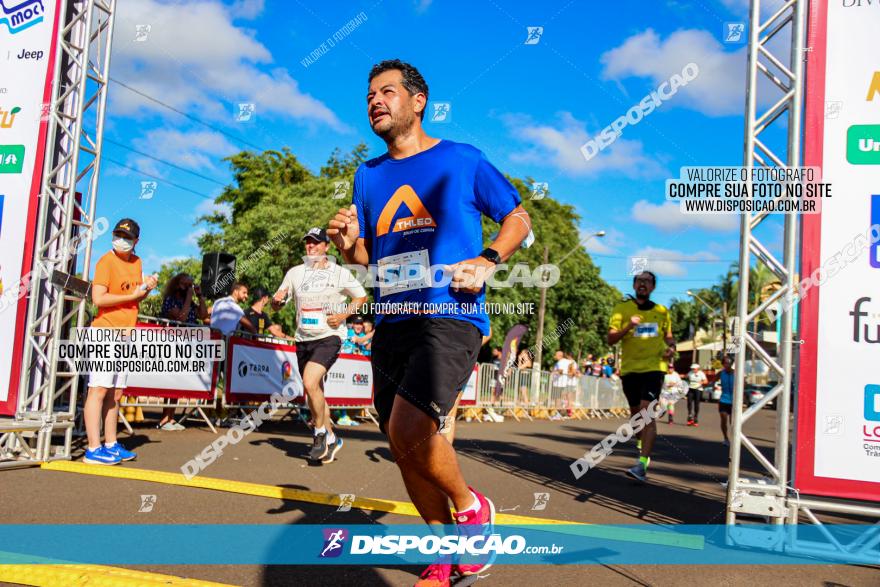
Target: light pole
715	313
543	300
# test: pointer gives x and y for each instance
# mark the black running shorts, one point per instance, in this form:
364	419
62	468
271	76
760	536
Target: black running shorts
639	387
725	408
323	351
427	361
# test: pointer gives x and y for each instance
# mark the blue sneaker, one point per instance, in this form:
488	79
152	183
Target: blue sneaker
101	456
118	450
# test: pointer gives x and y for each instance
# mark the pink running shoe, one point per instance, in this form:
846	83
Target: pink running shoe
472	523
436	575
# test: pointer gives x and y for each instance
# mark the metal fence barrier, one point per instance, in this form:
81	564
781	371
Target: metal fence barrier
523	394
530	393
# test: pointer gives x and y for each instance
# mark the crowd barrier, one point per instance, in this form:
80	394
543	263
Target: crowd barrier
257	366
530	393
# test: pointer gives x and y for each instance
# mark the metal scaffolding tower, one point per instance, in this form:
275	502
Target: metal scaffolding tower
43	425
776	79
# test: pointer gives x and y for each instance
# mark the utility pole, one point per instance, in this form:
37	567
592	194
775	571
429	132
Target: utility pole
541	306
724	329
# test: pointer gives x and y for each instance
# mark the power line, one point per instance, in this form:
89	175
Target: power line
664	258
162	179
168	163
184	114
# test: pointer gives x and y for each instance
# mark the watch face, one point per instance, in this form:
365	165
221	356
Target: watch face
491	255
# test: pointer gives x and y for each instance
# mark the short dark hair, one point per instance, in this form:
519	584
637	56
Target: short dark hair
412	79
651	273
258	293
238	285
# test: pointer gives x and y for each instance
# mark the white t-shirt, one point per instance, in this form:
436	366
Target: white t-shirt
562	379
225	315
696	379
319	292
672	381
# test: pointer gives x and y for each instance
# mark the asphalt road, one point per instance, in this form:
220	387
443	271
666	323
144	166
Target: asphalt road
508	461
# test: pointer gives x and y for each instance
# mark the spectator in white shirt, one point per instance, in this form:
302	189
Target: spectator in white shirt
227	315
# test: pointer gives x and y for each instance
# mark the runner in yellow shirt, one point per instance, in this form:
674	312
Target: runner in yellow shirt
644	330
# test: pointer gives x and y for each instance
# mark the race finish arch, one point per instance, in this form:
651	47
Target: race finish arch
838	421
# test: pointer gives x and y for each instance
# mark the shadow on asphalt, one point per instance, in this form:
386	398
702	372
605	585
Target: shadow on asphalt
671	497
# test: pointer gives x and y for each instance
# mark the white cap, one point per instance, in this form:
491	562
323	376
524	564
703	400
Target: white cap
695	366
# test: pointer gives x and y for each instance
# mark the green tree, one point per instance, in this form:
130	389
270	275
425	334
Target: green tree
581	294
152	304
274	200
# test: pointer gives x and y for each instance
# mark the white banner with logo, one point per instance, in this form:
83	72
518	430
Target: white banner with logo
260	369
191	385
838	427
349	382
26	28
469	393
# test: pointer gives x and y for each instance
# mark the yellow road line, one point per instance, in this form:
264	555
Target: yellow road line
92	575
365	503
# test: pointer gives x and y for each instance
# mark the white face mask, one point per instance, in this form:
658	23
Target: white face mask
122	245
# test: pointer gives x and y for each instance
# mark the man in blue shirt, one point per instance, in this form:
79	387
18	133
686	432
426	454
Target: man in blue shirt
725	402
416	217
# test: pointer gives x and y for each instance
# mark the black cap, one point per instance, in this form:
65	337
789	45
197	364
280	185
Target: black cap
317	234
357	320
128	227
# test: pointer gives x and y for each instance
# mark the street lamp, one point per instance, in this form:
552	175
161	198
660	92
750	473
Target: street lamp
543	301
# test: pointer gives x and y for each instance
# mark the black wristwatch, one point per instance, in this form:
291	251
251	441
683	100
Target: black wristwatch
492	255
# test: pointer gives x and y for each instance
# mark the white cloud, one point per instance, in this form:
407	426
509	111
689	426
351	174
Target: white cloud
193	150
668	262
667	217
153	262
247	9
197	60
602	245
718	90
559	146
192	239
206	207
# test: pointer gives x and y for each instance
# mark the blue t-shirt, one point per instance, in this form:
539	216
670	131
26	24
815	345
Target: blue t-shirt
726	387
420	213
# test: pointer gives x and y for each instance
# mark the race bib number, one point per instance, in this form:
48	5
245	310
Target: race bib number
646	330
404	272
313	319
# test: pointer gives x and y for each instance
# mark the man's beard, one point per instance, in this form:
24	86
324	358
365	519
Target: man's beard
398	126
642	297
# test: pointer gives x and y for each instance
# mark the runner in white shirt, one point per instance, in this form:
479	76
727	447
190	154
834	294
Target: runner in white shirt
561	381
696	380
319	287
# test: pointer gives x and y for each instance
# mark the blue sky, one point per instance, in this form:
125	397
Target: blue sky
529	107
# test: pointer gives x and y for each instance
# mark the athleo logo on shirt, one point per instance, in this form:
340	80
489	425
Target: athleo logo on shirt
420	218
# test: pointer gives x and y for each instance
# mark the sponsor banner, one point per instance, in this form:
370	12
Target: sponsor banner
469	393
27	30
177	385
255	370
373	544
837	450
349	382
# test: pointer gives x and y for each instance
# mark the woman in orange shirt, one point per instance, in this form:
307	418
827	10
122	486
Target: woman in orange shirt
117	288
